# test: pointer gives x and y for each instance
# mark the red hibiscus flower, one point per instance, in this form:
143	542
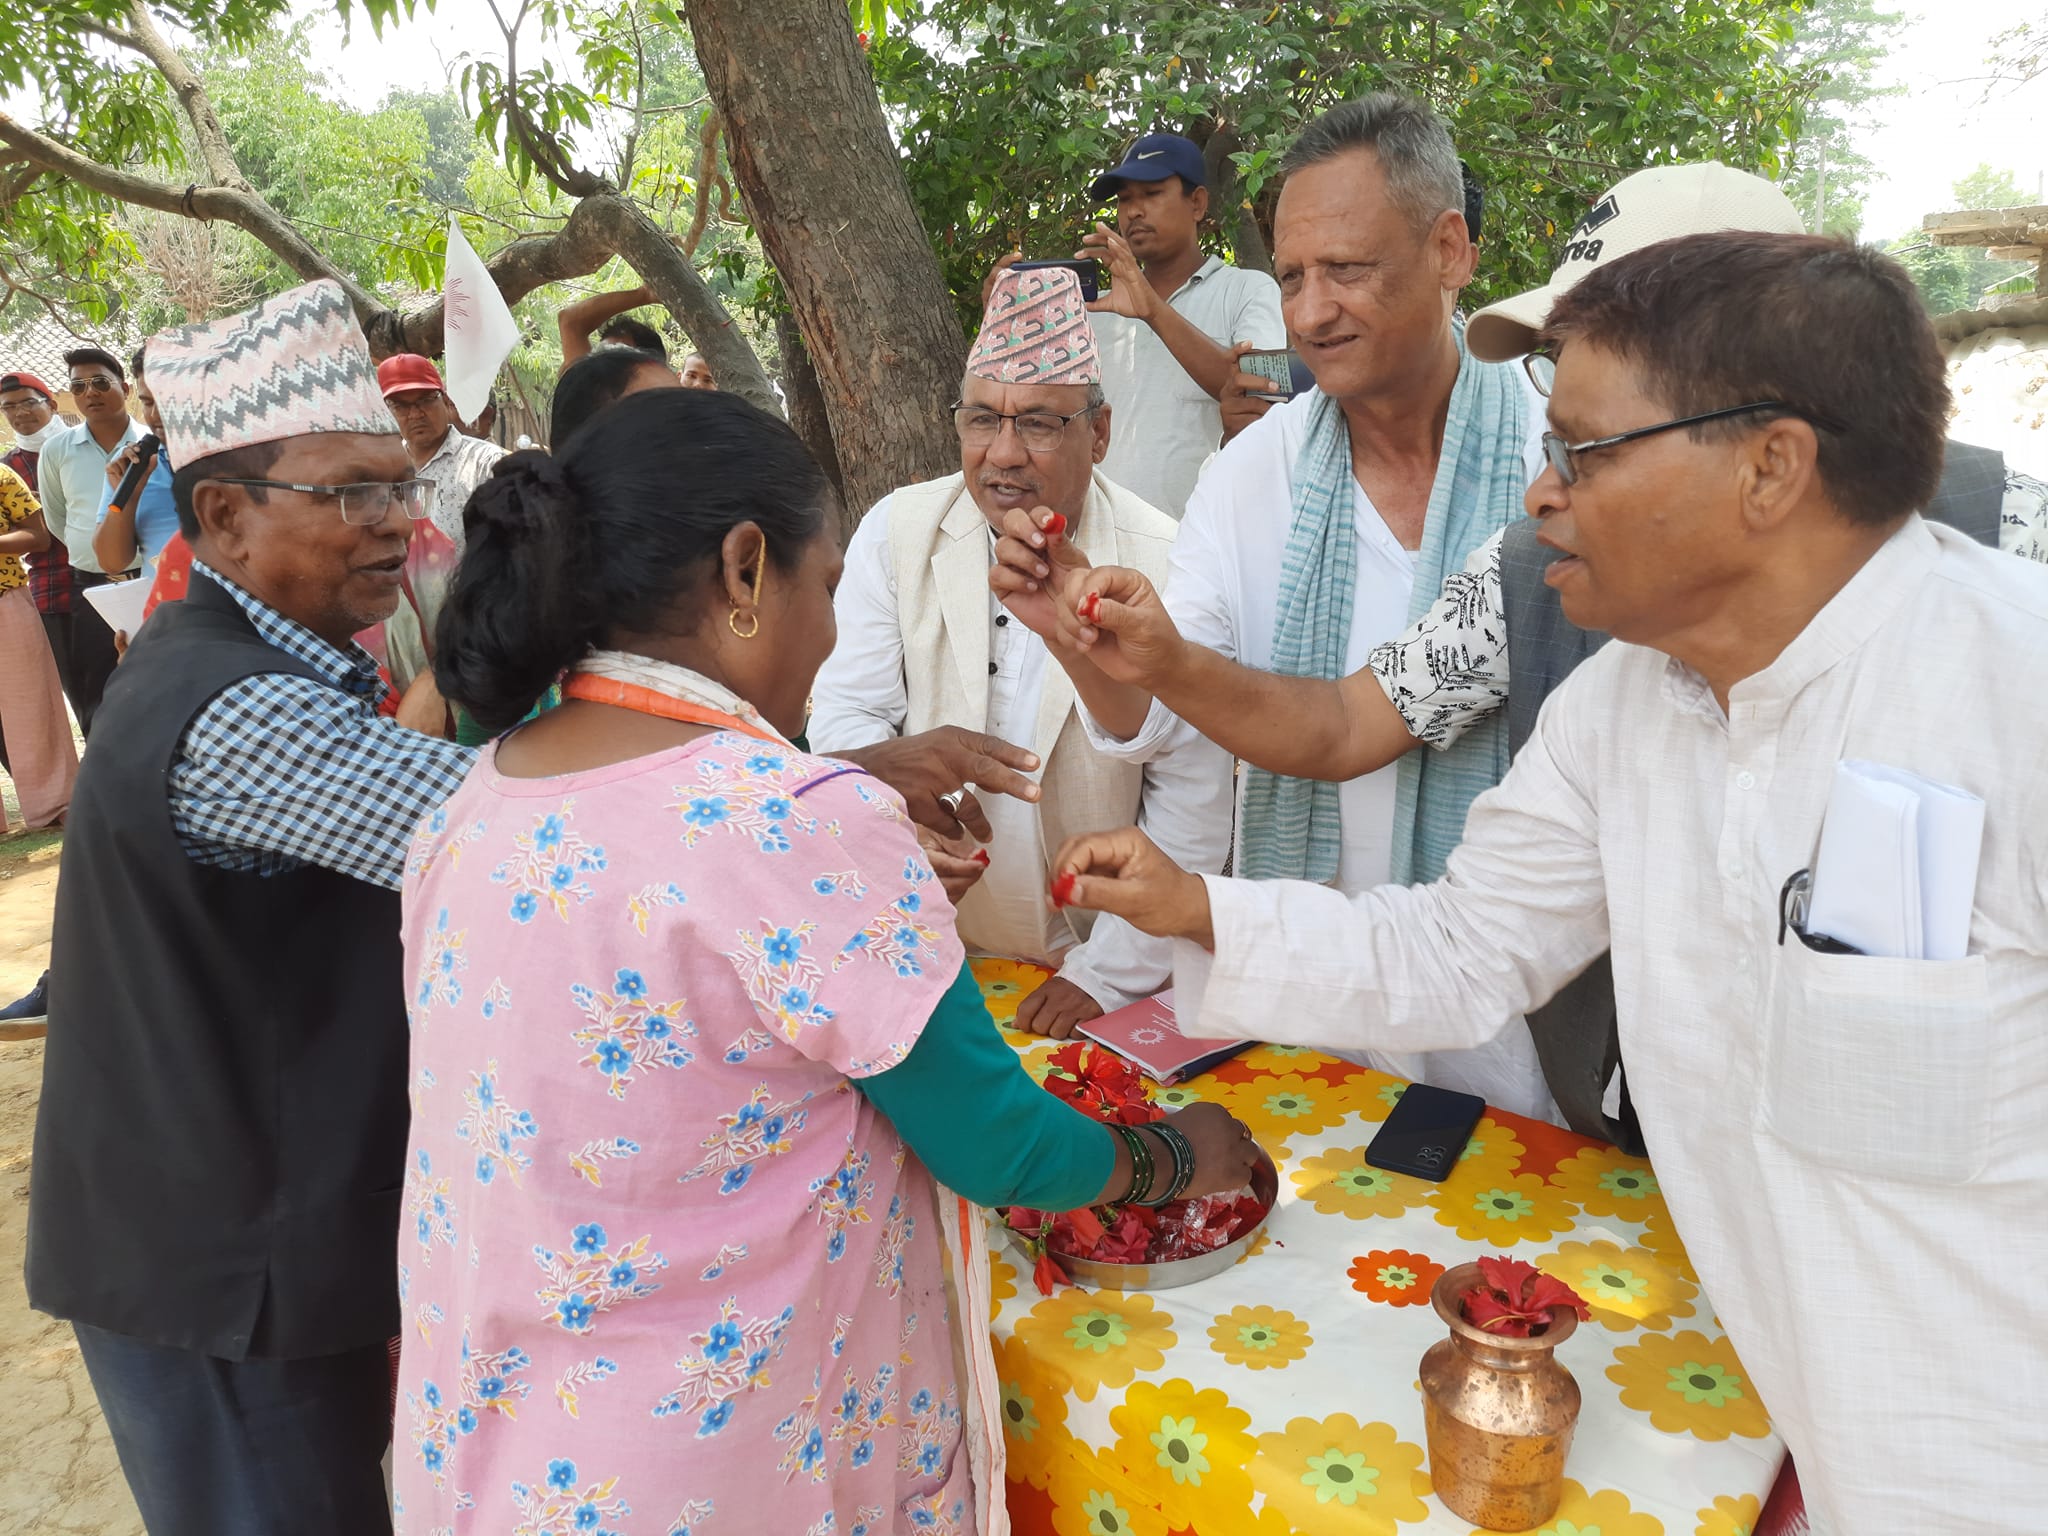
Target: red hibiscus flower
1515	1300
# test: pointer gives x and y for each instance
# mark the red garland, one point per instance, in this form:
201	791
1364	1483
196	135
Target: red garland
1105	1087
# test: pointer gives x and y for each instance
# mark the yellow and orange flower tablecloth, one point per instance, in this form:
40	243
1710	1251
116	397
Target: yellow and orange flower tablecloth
1281	1396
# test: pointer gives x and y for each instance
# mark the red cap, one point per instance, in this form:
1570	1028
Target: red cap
27	381
408	370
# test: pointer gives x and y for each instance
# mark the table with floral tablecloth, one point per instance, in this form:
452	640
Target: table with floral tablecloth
1281	1396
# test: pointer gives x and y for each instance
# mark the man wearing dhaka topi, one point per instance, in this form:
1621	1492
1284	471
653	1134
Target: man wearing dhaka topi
923	643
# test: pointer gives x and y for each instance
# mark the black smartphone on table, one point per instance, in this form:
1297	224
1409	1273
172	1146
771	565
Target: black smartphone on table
1286	375
1086	268
1426	1134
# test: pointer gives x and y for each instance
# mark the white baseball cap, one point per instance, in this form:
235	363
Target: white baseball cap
1662	203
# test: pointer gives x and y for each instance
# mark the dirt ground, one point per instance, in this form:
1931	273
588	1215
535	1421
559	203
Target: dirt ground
58	1473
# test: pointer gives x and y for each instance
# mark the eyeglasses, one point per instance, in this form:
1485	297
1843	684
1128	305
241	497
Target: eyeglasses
1038	431
1563	456
364	504
98	384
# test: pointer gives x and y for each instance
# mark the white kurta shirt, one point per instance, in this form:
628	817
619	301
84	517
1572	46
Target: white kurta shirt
1224	592
1855	1150
862	696
457	467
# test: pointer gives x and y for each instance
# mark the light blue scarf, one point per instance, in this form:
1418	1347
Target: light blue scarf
1290	828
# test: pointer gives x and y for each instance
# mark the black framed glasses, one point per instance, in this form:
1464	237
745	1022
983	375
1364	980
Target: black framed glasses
1562	456
1038	431
364	504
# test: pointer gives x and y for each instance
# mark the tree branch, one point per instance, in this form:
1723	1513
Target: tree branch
661	264
707	176
235	205
547	154
214	150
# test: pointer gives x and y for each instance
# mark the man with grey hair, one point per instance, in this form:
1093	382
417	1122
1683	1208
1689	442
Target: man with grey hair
922	646
1324	528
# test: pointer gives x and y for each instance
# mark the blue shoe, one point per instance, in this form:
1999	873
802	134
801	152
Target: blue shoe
27	1018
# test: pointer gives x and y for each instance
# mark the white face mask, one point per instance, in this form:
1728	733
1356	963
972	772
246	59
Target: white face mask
33	441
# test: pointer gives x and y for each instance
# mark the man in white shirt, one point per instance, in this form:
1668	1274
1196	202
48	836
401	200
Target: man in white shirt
1850	1144
449	460
72	481
1364	494
1173	322
923	644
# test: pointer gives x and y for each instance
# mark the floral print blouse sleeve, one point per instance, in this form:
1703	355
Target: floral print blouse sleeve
2023	521
1449	671
845	959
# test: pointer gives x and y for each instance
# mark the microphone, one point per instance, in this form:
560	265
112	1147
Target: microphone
147	447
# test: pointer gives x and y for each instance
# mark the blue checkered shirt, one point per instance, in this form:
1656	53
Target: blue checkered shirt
281	771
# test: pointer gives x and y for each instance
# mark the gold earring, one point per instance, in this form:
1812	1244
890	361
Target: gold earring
732	619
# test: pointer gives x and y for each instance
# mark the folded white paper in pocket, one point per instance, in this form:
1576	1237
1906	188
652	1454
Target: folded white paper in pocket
121	603
1896	874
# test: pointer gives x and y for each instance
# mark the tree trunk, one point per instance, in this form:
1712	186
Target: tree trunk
806	403
811	151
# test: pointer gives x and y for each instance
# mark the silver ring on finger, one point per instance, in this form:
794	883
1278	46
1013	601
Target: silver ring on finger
953	802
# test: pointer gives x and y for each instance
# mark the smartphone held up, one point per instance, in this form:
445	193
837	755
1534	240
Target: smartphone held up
1086	268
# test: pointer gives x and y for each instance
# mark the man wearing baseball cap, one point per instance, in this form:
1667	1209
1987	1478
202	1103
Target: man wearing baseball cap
1167	326
215	1200
450	462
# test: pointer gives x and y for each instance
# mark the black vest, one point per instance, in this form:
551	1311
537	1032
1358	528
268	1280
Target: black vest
1576	1032
219	1148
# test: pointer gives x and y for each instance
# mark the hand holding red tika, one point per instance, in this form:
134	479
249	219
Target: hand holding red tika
1035	564
1125	874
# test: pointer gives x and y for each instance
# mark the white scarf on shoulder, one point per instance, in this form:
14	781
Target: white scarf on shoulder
675	682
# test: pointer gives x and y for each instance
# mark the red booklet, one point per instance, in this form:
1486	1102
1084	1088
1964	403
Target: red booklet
1146	1035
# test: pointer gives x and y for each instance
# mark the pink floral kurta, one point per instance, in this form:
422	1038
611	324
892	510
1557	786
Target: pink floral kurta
663	1269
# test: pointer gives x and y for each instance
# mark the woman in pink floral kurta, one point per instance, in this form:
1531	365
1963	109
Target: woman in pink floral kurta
684	1212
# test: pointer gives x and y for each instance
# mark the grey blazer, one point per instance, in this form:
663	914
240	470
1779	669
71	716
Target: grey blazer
1575	1032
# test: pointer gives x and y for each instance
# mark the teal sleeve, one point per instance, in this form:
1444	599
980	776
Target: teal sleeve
970	1111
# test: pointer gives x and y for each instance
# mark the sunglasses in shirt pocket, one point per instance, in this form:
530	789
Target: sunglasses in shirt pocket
1880	1067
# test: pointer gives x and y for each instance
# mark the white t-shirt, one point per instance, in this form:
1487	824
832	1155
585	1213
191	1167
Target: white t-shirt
1165	424
1223	590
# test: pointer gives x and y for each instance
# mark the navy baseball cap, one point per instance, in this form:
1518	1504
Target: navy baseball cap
1154	158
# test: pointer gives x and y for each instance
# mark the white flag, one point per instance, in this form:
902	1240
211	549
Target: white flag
479	331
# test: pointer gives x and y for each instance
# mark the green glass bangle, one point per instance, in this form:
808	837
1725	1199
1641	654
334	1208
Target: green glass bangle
1183	1152
1142	1165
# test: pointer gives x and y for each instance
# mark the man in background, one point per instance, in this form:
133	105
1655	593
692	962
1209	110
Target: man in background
72	481
697	373
146	521
605	313
1172	323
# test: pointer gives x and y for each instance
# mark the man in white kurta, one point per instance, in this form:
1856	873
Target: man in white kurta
1368	277
924	643
1851	1144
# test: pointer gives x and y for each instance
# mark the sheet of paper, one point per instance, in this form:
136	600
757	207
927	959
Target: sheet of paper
120	603
1866	877
1951	840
